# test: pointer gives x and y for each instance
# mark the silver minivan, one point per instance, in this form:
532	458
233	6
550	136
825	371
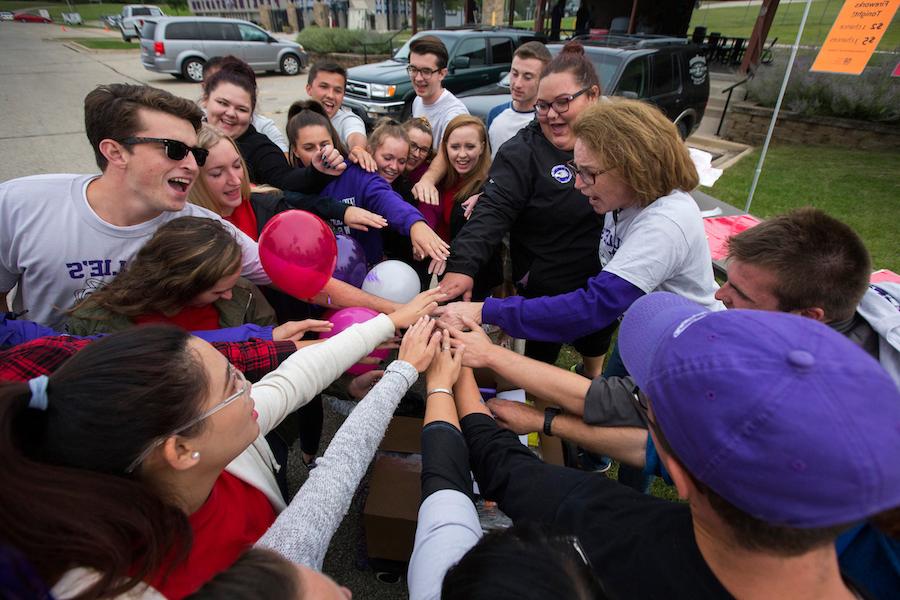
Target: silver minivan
182	45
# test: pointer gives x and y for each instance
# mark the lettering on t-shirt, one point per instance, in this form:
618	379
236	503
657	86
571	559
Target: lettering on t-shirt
95	267
338	226
610	243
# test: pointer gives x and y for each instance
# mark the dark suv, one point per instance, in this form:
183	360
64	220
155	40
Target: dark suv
669	72
477	57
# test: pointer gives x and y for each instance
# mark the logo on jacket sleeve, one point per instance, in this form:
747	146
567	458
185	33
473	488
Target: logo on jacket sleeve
561	173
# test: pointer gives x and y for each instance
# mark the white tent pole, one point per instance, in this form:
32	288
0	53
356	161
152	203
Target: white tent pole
787	75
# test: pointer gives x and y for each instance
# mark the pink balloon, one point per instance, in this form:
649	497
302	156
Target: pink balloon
343	319
298	251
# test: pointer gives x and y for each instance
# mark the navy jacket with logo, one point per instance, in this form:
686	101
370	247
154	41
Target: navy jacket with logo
554	232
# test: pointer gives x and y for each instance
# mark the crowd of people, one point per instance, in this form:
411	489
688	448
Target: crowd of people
155	380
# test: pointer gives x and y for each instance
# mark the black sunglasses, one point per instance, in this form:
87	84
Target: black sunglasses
175	150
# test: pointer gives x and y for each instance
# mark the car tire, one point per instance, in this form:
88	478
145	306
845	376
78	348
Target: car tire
192	69
683	129
290	65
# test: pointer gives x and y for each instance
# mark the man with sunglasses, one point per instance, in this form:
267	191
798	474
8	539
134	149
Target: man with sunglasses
64	235
778	432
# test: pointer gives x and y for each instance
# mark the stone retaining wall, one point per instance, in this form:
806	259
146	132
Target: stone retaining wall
748	124
346	60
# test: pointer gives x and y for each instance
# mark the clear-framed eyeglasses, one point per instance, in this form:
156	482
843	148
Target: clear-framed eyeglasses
240	384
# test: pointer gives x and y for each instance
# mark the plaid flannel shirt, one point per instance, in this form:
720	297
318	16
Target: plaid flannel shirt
44	355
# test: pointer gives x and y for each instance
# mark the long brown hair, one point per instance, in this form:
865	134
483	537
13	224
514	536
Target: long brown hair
208	137
67	499
472	182
305	113
184	258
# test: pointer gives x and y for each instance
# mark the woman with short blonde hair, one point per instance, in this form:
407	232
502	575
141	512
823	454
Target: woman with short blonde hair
635	171
643	147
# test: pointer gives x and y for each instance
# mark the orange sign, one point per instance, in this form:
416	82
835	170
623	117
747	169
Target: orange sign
855	35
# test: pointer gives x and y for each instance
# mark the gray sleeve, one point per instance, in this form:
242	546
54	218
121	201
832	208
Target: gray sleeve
303	530
610	402
448	527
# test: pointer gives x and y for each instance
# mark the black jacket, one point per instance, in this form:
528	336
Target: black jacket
554	233
638	545
267	164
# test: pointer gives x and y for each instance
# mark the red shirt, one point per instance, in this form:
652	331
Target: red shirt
232	519
190	318
438	217
244	219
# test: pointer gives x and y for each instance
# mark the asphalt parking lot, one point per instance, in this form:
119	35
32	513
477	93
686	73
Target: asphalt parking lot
44	81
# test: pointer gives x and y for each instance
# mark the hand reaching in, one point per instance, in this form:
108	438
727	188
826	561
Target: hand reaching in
420	343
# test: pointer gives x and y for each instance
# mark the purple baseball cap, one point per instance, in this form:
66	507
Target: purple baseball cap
782	416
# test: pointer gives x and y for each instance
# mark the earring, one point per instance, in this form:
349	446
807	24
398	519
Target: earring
195	455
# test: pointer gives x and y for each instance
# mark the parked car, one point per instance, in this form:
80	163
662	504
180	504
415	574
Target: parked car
477	57
182	45
5	15
112	20
133	17
669	72
32	17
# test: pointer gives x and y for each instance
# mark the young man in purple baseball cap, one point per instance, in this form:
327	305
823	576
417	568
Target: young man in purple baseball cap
778	432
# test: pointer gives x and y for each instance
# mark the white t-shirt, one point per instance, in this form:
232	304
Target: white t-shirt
506	125
439	114
58	250
661	248
346	123
268	128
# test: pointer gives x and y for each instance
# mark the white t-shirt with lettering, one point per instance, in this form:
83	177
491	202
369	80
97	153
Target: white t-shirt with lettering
56	248
439	114
661	248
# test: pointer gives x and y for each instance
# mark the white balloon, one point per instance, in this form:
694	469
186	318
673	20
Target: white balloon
392	280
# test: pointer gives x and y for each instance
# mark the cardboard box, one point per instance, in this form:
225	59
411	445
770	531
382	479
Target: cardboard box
392	506
404	434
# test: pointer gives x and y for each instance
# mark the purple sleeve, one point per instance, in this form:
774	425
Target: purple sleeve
565	317
236	334
381	198
15	331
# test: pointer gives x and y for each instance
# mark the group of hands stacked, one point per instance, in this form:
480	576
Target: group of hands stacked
439	341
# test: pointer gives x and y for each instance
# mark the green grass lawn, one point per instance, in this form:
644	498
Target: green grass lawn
859	187
103	44
88	12
739	21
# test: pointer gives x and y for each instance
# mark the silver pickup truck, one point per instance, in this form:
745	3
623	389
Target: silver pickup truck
132	19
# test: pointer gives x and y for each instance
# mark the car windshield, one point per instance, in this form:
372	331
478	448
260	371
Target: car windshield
402	55
605	64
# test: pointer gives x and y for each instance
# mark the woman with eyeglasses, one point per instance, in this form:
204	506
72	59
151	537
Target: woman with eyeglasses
420	135
633	168
530	195
139	467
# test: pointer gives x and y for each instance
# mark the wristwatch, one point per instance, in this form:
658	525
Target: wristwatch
549	413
